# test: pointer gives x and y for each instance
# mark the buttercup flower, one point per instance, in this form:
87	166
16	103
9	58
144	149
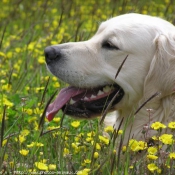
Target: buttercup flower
75	124
25	132
41	166
24	152
87	161
56	119
153	157
109	129
137	145
21	138
172	155
96	155
38	144
166	139
83	172
97	146
152	167
66	151
171	125
152	150
104	139
157	125
52	167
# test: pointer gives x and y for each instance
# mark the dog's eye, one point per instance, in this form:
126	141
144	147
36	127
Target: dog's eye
108	45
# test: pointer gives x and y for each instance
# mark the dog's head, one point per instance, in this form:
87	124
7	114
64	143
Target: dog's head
90	67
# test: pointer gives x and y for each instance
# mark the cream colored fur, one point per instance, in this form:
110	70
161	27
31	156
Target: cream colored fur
149	43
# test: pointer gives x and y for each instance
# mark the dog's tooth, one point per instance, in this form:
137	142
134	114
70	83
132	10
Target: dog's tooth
72	101
93	96
107	89
85	98
100	92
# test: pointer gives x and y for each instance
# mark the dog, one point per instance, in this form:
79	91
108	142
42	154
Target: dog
143	48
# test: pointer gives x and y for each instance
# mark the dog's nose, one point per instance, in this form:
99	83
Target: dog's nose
52	53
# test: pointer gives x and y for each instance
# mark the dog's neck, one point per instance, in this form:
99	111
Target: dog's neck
162	110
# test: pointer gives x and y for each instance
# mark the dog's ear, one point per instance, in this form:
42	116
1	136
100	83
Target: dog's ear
161	74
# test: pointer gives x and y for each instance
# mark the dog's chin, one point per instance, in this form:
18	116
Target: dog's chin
85	103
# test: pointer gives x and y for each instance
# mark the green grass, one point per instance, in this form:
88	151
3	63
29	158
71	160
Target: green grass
26	28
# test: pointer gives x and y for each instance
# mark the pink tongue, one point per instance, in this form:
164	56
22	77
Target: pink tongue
63	97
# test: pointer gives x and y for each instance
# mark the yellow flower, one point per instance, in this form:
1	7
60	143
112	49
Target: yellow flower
109	129
137	145
11	164
83	172
41	166
142	145
75	124
97	146
38	144
52	167
91	134
166	139
153	157
38	89
104	140
18	49
152	167
31	46
21	139
41	60
6	102
32	119
38	111
6	87
124	148
152	150
171	125
76	147
2	54
56	119
133	144
24	152
155	138
56	85
87	161
172	155
4	142
159	170
88	139
25	132
157	125
66	151
29	111
96	155
120	132
54	78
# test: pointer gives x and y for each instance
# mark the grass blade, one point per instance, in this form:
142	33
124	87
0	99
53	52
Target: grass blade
119	69
44	93
3	125
149	99
108	107
41	122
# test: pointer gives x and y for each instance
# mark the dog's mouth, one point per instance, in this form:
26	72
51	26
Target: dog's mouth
85	103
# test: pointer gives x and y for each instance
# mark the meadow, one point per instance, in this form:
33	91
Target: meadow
29	144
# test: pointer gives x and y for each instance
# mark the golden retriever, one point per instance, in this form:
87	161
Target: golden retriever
90	68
